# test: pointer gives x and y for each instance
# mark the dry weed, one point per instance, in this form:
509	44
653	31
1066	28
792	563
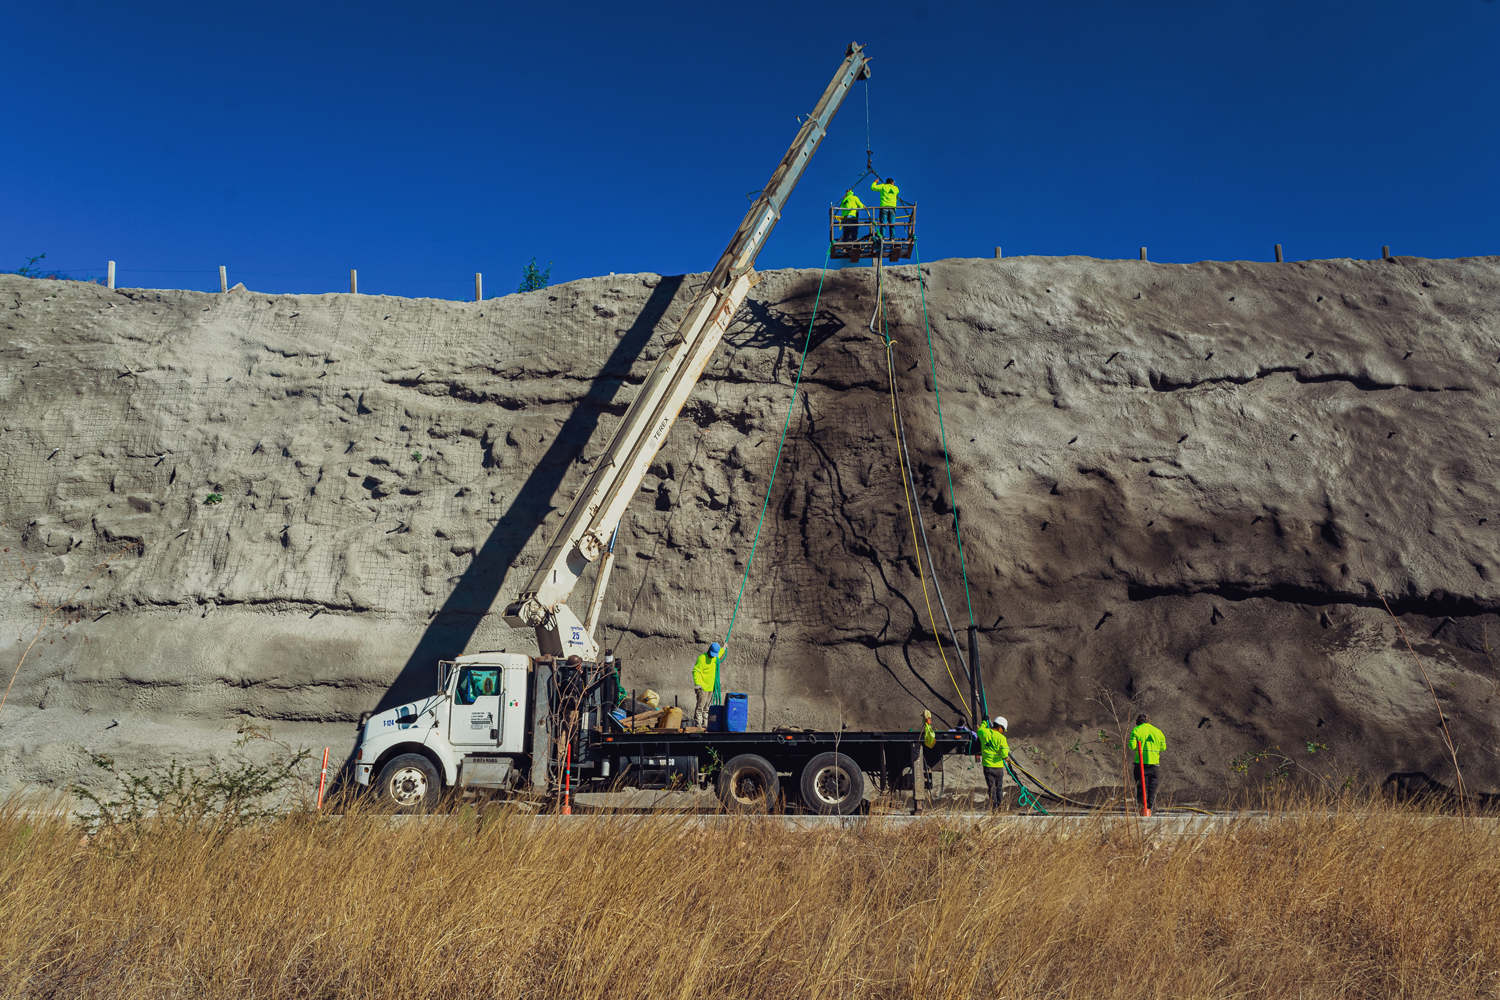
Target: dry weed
1367	902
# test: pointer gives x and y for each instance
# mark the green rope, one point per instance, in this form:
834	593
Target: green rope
943	434
786	426
1027	797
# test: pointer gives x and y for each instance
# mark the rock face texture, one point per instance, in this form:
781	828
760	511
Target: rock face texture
1183	489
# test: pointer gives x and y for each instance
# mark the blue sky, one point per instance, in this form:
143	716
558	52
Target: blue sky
422	143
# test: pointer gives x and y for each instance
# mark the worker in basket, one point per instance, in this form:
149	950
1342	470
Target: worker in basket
705	674
994	751
849	212
890	198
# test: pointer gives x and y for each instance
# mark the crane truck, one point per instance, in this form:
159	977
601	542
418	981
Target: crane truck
498	720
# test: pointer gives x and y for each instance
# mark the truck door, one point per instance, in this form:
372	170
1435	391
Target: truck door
474	719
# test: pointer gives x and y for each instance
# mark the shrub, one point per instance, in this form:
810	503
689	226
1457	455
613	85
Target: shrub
224	797
533	279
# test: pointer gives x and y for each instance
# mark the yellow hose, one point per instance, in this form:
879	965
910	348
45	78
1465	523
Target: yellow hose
890	343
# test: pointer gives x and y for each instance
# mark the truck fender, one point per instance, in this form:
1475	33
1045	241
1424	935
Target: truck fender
442	754
419	748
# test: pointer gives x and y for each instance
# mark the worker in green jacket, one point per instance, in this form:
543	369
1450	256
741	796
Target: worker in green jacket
705	673
849	212
994	751
1146	744
889	199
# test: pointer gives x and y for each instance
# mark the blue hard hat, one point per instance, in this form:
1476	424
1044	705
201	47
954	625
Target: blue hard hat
713	649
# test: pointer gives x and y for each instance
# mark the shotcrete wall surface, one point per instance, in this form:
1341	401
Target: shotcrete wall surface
1183	489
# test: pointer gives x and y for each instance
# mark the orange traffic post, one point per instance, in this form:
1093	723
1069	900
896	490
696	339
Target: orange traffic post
567	809
323	779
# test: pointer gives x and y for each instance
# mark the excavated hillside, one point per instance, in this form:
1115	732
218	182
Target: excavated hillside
1184	489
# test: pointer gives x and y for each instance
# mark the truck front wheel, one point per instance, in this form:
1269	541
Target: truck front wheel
409	783
748	784
832	785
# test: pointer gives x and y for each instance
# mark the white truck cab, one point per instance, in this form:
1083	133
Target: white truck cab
471	733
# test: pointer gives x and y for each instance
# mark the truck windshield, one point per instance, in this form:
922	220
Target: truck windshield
474	682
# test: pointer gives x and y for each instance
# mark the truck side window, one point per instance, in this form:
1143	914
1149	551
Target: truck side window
473	683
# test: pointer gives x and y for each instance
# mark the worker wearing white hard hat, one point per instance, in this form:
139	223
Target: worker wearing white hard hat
994	750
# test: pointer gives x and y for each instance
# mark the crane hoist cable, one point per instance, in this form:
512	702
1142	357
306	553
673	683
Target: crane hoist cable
908	488
869	153
785	426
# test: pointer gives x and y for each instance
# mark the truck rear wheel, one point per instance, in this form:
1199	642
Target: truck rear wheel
832	785
409	783
748	784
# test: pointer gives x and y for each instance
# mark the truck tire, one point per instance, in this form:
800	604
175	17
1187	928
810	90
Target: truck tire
409	783
748	784
832	785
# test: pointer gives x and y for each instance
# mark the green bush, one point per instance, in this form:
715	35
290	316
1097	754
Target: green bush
532	278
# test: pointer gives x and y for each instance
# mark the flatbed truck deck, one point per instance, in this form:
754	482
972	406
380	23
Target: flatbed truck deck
828	771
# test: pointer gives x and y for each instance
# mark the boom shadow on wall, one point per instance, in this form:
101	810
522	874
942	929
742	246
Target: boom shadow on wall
783	330
449	631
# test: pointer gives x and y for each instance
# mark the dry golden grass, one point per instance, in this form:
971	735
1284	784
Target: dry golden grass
1363	903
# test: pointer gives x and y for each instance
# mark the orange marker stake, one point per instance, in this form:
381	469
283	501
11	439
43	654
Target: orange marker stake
323	779
1141	746
567	776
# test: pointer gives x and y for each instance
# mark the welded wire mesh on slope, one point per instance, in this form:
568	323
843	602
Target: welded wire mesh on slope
780	445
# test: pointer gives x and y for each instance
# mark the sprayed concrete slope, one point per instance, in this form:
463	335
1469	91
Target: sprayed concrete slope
1182	485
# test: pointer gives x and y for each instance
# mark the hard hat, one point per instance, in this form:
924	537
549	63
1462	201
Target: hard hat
713	649
1000	721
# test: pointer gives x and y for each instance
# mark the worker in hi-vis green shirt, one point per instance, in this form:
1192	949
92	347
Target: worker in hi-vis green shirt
994	751
705	673
889	199
849	212
1146	744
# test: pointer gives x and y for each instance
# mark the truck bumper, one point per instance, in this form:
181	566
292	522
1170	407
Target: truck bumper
362	774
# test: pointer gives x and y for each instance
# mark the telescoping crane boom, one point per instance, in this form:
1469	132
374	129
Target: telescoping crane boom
587	532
